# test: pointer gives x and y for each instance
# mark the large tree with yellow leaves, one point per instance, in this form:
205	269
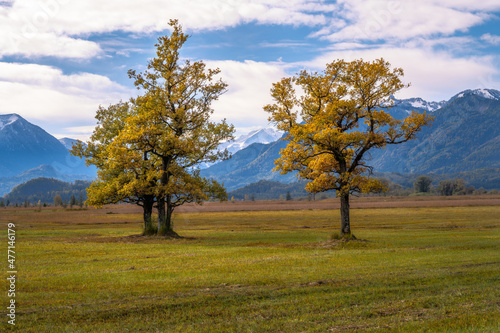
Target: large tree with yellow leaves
151	157
123	175
172	125
339	117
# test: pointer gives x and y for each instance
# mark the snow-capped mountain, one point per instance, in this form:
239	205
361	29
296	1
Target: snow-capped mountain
485	93
264	135
419	103
401	108
24	147
7	119
464	137
67	142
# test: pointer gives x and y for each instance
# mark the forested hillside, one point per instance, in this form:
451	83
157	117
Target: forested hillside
462	142
46	189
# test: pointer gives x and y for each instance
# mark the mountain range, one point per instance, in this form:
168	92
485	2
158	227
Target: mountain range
263	135
27	151
464	138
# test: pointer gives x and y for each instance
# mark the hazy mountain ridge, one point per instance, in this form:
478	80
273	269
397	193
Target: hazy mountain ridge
248	166
68	142
24	146
47	171
465	136
27	151
44	189
263	135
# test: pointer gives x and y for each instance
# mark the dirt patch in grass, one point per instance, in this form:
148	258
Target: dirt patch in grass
329	244
150	238
130	239
341	243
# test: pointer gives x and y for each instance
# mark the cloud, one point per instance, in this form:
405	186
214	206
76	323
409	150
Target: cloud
65	105
407	33
78	132
491	39
403	20
51	99
58	28
27	28
433	75
249	85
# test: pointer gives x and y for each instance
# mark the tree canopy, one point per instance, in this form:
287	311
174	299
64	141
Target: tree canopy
147	150
338	119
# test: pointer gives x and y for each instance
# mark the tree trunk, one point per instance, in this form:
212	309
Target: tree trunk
162	227
345	227
168	217
160	204
165	211
165	207
147	212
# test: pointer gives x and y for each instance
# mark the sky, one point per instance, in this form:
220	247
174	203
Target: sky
61	59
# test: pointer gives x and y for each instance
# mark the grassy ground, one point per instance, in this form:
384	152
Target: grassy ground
415	270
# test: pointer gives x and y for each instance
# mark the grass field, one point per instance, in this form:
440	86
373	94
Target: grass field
415	269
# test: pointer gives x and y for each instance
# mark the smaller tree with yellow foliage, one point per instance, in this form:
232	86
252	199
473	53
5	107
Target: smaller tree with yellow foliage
123	171
337	120
148	149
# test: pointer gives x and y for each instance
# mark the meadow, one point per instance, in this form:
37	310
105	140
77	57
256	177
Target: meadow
419	265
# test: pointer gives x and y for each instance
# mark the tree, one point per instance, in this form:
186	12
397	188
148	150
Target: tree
149	152
58	200
342	118
422	184
445	187
459	187
72	201
173	125
288	196
122	171
80	200
452	187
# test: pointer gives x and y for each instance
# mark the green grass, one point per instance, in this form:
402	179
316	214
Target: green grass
415	270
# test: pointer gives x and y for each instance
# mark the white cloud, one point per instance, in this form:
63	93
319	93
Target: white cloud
411	30
29	28
249	85
402	20
65	105
491	39
51	99
58	27
78	132
433	75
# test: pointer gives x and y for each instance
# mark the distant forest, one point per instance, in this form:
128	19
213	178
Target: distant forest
432	184
50	191
44	190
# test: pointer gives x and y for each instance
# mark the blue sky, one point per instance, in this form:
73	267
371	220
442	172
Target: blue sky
61	59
